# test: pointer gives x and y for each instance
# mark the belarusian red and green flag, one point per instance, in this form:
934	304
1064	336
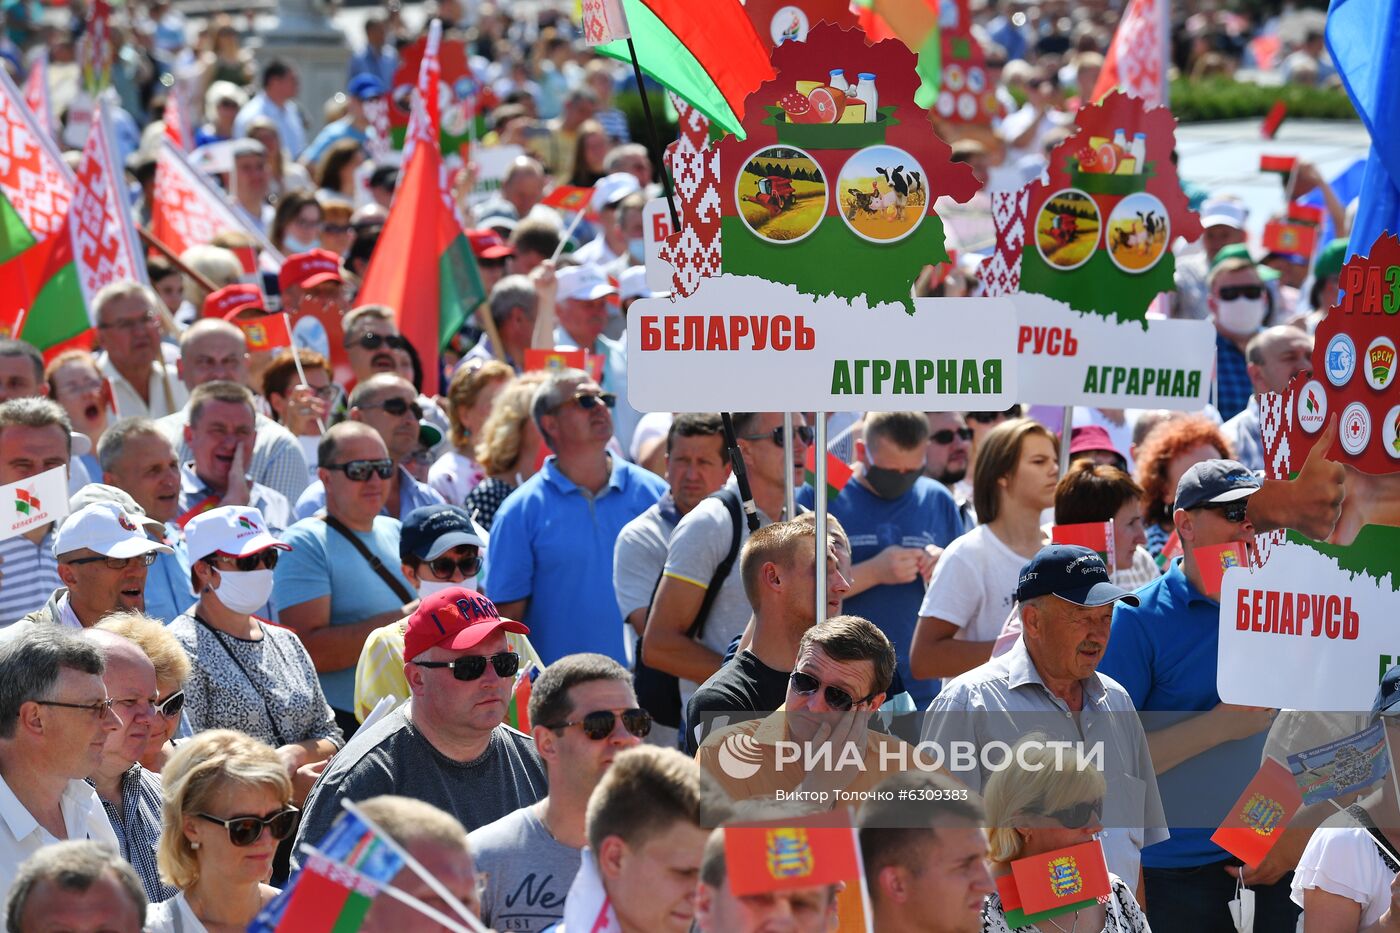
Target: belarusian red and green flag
838	473
423	266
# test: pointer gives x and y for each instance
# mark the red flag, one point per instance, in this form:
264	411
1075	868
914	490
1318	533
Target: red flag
1274	120
1096	536
265	333
1282	164
1064	876
568	198
188	209
1137	60
1217	559
1284	237
36	92
104	241
838	473
553	359
765	858
1259	817
174	120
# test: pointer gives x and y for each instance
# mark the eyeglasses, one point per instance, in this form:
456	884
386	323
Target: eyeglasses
266	559
838	699
116	563
99	709
468	564
472	666
398	407
1233	512
246	830
326	393
336	228
357	471
590	400
599	725
373	341
1231	292
989	417
133	323
1077	816
945	437
804	433
171	706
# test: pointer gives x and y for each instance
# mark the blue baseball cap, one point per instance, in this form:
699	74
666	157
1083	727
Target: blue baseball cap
431	530
1388	696
366	86
1214	481
1074	574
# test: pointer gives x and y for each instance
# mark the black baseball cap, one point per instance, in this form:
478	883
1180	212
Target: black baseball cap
430	530
1214	481
1074	574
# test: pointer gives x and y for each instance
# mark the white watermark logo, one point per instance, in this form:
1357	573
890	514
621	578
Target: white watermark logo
741	756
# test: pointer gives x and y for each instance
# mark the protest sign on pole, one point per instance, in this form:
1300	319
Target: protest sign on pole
32	503
492	163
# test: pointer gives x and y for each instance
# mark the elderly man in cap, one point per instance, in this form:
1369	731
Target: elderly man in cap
449	746
582	306
103	554
1164	652
362	90
1223	218
1066	602
610	246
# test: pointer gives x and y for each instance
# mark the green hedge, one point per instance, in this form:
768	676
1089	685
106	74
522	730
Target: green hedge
1223	99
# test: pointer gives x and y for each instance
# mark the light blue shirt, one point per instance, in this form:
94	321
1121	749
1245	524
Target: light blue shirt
552	543
614	353
168	593
322	563
412	495
291	128
332	132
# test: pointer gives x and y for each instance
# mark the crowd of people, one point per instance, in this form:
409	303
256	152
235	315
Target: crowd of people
519	623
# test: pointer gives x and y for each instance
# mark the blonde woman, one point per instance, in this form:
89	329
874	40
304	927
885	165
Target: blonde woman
227	805
473	389
172	670
1041	802
508	449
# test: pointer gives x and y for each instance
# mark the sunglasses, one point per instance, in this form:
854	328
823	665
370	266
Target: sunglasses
990	417
472	666
373	341
945	437
804	433
171	706
1077	816
336	228
266	559
1231	292
1233	512
443	567
246	830
398	407
357	471
838	699
591	400
117	563
599	725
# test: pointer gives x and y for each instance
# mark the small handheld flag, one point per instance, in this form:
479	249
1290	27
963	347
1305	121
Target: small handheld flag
1258	819
1215	560
568	198
766	858
1274	120
265	333
1056	882
1096	536
838	474
1342	766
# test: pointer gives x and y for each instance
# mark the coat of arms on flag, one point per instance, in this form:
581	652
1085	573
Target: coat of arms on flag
789	853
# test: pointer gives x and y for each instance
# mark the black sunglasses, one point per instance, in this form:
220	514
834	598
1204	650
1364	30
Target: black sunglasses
838	699
1233	512
171	706
804	433
246	830
988	417
116	563
590	400
599	725
357	471
1077	816
266	559
472	666
373	341
398	407
1231	292
945	437
469	564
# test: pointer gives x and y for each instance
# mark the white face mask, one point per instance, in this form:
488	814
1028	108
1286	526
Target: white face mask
428	587
244	592
294	245
1241	316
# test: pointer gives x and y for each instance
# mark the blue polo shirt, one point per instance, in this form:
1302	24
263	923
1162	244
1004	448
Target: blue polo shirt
926	514
168	593
1164	654
553	543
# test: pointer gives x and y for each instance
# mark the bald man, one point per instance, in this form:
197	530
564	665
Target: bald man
1274	356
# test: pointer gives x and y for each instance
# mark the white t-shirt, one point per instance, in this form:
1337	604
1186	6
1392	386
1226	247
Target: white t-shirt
454	475
1341	858
974	585
173	916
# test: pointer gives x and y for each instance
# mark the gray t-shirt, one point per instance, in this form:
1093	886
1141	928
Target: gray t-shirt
701	541
393	757
638	558
530	872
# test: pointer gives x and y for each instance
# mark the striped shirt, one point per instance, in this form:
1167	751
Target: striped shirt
137	825
28	576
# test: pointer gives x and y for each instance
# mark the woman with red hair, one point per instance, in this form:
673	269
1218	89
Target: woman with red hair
1170	450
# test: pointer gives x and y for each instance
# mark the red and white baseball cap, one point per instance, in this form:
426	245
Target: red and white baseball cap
230	529
232	300
487	244
455	618
309	269
103	527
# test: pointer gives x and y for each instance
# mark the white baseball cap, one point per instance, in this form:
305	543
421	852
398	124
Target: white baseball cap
105	528
230	529
633	284
610	189
584	283
1223	212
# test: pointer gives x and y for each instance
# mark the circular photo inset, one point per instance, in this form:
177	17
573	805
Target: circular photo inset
953	78
946	103
1312	406
1390	432
1355	428
781	194
967	106
883	193
1067	229
1138	232
976	80
789	24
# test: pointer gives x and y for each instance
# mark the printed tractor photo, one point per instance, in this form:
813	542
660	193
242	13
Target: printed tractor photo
781	194
1067	229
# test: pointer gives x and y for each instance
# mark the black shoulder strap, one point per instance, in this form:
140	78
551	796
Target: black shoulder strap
1358	813
736	514
371	558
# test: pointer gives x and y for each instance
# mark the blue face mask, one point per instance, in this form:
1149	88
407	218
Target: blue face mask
637	249
293	245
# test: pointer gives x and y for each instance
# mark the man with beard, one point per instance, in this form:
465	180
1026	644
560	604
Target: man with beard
946	457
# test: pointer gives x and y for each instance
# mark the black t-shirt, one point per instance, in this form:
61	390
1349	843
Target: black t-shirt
745	688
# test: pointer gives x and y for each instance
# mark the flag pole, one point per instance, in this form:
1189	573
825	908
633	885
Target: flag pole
573	225
789	492
426	910
296	359
1066	429
658	155
819	504
159	247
